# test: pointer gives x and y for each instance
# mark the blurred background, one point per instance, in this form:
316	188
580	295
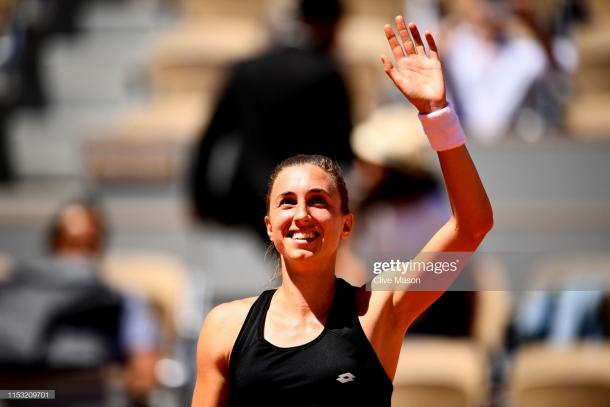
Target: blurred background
136	137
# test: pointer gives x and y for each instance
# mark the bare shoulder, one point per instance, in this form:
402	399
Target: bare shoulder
230	313
222	325
218	334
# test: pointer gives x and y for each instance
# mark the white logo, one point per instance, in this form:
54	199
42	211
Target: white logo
345	377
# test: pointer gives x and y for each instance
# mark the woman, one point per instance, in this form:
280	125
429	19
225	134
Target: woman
316	340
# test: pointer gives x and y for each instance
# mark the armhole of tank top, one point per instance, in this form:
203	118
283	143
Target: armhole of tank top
366	339
240	336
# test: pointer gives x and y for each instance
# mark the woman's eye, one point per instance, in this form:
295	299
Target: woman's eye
317	200
287	202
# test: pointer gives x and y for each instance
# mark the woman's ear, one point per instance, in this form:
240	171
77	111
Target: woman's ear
348	224
268	227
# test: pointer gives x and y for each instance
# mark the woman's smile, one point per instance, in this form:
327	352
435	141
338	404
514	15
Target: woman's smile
305	218
303	236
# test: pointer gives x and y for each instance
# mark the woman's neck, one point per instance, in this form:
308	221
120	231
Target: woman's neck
305	294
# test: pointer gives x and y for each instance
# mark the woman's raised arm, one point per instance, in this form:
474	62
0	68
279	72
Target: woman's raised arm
420	79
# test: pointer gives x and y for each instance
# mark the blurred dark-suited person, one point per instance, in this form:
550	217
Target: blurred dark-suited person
57	316
289	100
22	40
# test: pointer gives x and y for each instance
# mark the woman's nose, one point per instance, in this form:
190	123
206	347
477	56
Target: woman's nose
302	212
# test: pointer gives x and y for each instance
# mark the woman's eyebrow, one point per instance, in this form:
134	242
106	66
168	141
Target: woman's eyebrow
320	190
284	194
312	190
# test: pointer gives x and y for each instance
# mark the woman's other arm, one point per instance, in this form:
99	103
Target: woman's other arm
216	339
212	364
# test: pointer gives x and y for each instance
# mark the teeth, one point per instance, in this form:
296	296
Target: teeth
303	236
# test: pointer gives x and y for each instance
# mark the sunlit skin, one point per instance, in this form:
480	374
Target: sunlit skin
306	226
305	222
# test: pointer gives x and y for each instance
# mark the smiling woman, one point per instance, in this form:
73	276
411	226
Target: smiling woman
316	340
307	210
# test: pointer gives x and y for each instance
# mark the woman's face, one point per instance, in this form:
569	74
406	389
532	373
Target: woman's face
305	219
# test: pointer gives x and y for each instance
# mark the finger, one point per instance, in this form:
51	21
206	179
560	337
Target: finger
404	36
419	45
431	45
387	64
393	41
388	67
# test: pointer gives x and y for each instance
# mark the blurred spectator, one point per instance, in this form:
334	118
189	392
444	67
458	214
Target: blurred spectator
551	22
64	15
57	313
400	205
22	37
289	100
6	14
494	56
570	304
561	318
21	65
26	27
394	183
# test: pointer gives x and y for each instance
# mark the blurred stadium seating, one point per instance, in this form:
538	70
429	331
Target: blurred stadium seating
130	94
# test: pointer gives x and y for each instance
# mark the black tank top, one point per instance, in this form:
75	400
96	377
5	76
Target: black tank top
338	368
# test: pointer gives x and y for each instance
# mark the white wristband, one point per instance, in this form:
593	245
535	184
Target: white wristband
443	129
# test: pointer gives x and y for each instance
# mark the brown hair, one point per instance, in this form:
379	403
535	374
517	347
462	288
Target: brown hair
328	165
95	242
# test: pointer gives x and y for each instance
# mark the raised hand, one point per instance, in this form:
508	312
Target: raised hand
418	76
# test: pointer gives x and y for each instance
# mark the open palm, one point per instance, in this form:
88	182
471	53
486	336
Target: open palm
418	76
